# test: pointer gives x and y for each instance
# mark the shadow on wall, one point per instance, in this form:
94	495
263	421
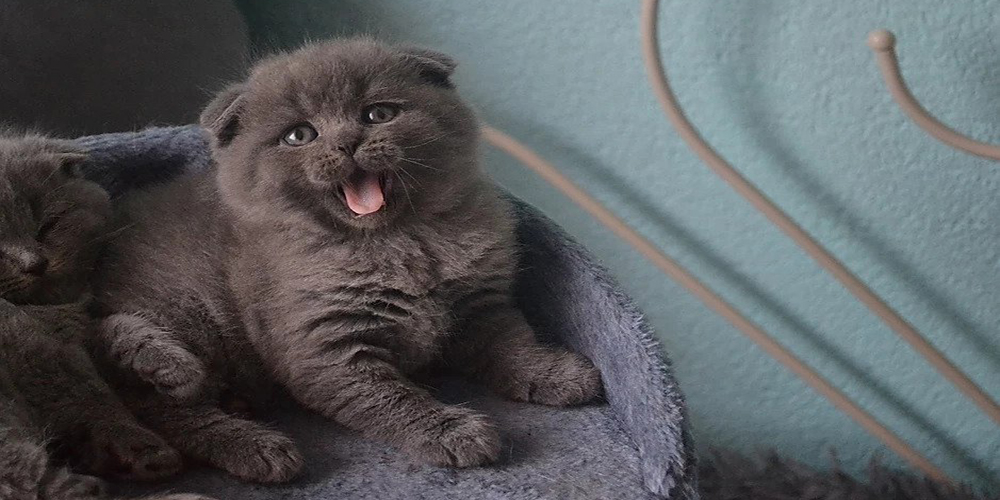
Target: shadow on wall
76	68
785	160
744	286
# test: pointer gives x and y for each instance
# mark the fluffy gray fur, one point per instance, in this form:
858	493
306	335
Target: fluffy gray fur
51	225
258	269
603	451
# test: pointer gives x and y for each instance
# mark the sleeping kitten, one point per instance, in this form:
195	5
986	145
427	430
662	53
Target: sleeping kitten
51	223
347	233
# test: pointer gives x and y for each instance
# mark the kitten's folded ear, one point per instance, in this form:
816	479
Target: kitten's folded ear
222	116
68	156
436	68
71	163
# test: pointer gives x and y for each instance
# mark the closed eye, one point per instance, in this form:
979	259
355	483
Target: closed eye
47	227
50	223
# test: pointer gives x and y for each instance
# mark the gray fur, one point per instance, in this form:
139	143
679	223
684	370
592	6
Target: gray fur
600	452
258	268
51	226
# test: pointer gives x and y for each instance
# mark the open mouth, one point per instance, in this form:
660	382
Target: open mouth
365	192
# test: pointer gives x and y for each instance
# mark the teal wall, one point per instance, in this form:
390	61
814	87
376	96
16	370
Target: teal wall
789	92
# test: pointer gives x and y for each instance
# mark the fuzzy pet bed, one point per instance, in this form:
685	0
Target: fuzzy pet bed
634	447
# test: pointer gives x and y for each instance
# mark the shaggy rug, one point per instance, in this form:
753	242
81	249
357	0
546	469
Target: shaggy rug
734	477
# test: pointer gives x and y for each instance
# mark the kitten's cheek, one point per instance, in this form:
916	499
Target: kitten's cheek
320	175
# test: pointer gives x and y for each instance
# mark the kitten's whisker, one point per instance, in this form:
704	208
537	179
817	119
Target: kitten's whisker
406	191
415	181
417	163
106	237
429	141
50	176
12	287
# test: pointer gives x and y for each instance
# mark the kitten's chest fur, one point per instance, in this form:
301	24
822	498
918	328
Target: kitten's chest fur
406	280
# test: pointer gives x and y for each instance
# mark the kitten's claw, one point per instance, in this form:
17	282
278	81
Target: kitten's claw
132	453
460	438
561	378
267	457
154	354
172	369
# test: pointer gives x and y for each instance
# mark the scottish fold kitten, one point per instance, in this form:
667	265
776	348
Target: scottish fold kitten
349	235
51	227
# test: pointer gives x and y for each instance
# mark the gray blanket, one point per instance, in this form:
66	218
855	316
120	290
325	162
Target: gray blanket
634	447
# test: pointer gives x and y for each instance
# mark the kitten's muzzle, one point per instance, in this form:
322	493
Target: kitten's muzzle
36	265
25	260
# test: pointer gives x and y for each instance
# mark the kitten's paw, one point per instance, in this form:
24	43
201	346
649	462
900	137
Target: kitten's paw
171	368
22	467
132	453
559	378
263	457
459	438
178	496
64	485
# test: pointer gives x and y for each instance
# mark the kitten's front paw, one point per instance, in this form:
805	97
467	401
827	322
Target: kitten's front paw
265	457
557	378
171	368
132	453
458	438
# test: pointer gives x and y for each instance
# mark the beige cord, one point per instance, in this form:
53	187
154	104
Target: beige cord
882	43
658	79
674	270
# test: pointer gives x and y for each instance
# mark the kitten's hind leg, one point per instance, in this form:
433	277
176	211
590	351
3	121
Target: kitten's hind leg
499	348
87	418
244	448
153	353
22	466
25	474
61	484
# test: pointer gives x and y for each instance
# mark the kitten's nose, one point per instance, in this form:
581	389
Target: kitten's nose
347	149
34	263
346	139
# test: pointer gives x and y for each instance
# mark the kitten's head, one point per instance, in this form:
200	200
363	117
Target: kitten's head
51	221
353	132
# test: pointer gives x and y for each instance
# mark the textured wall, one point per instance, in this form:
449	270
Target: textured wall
789	92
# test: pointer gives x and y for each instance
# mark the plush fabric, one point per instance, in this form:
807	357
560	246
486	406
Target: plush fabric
634	447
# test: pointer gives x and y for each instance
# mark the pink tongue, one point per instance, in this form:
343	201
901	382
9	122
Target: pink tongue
363	193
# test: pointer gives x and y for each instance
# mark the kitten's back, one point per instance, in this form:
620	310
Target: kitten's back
166	242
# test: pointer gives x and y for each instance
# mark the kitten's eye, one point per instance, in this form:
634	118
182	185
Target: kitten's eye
380	113
300	135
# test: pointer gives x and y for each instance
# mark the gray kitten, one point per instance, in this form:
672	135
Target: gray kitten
51	224
349	234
